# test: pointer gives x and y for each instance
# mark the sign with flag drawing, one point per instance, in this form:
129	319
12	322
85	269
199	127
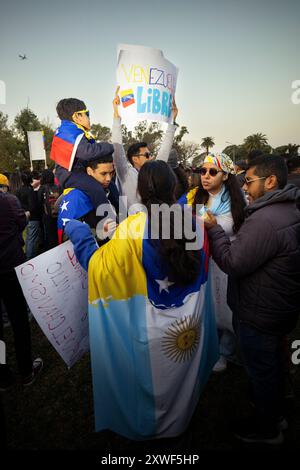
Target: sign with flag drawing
147	84
55	287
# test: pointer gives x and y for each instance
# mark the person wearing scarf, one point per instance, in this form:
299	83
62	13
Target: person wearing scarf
219	193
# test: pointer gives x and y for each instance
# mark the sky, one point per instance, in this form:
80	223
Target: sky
237	60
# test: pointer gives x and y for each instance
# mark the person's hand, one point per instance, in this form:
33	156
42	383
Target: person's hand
116	103
107	230
209	220
174	109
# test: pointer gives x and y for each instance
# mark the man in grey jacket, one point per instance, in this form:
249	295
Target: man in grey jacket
138	154
263	264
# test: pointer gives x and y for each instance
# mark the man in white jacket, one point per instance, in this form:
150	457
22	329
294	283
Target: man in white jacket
127	171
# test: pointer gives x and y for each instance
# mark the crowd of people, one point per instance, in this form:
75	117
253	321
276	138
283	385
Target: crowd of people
248	215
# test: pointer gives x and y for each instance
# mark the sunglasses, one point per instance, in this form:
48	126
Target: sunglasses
146	155
211	171
248	180
86	111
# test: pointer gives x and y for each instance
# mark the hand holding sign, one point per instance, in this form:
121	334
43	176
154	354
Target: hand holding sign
116	103
174	109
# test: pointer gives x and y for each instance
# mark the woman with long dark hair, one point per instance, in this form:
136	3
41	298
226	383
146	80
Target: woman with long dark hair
152	334
220	193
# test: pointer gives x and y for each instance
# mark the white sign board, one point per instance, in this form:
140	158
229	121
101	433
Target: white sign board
36	145
55	287
147	84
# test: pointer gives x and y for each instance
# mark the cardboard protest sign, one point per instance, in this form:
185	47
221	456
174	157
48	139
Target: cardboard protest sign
55	287
147	84
36	146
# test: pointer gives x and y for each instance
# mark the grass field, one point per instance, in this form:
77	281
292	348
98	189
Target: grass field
56	412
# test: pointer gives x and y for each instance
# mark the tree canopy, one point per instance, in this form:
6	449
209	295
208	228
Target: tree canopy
14	153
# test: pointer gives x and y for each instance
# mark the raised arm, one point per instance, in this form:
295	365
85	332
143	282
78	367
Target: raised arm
166	145
120	160
89	151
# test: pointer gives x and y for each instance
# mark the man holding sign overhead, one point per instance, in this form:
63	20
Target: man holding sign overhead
146	90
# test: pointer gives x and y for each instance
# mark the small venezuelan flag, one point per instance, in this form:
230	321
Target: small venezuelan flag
127	98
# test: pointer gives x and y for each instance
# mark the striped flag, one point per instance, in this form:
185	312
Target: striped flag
153	342
127	98
64	144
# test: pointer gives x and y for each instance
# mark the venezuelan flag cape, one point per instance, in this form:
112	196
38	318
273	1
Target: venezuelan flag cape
74	204
65	142
153	343
188	197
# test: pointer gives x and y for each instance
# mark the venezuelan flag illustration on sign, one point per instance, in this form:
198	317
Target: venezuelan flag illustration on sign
127	98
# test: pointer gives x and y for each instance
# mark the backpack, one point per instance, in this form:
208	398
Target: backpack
51	195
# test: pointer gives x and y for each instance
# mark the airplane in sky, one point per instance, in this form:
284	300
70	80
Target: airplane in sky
22	57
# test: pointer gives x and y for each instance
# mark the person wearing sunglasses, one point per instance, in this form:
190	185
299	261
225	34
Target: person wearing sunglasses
264	278
127	169
73	147
219	193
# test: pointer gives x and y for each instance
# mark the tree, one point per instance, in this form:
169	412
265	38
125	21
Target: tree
207	142
10	156
198	160
288	151
182	132
236	152
151	133
101	133
257	141
127	137
48	131
25	121
188	152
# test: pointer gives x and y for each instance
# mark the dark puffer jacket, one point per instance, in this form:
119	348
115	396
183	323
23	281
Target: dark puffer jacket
12	223
263	262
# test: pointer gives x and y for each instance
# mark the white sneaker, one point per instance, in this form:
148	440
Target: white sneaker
221	365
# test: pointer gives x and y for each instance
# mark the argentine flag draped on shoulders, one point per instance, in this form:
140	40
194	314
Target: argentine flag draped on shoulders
153	343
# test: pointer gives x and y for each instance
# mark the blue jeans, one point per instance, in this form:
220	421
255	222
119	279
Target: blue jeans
264	360
32	238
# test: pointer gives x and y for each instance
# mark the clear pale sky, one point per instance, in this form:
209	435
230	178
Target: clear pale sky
237	60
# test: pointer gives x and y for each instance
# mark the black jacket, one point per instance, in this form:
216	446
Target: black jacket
263	262
29	202
12	223
294	178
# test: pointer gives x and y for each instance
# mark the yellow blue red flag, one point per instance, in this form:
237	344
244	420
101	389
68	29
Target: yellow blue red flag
153	342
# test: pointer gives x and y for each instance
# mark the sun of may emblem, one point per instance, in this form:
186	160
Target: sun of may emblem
182	338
